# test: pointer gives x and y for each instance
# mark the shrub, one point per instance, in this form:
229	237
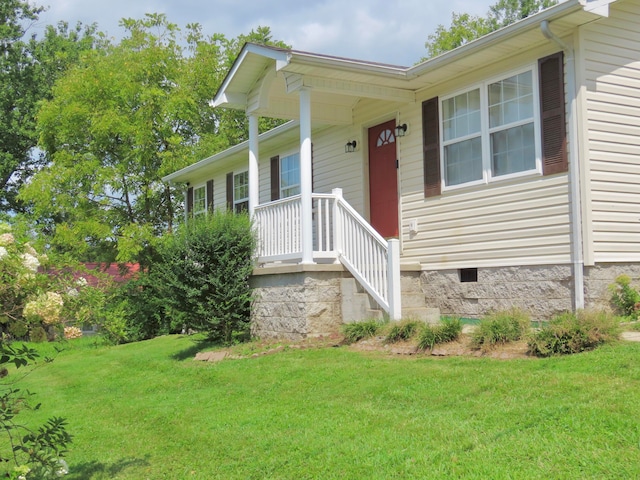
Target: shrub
401	331
447	330
200	282
354	332
624	297
501	327
573	333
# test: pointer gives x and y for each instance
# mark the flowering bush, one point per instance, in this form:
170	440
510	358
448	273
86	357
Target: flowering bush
45	307
72	332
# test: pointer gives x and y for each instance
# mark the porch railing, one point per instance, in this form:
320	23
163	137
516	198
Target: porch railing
339	233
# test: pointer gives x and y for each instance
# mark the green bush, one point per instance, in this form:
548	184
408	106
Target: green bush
200	281
402	331
501	327
573	333
625	299
447	330
354	332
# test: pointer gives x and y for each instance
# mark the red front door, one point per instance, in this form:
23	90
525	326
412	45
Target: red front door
383	179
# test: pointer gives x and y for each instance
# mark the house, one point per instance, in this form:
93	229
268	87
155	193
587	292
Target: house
505	172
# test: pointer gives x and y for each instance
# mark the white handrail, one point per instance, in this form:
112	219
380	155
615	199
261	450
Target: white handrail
362	250
339	231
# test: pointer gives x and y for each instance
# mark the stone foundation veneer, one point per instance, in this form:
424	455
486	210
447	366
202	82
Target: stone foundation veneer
543	291
301	301
296	301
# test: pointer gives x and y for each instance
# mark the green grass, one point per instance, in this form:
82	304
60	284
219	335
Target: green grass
148	411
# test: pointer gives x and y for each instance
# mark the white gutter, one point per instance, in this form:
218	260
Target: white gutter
577	256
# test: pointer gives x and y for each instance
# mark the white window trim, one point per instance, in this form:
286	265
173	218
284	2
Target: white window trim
203	210
237	201
485	131
280	158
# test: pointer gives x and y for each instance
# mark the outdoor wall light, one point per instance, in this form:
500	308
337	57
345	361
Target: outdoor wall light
401	130
350	146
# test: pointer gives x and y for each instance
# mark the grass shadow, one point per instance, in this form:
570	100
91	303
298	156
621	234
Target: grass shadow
100	470
198	345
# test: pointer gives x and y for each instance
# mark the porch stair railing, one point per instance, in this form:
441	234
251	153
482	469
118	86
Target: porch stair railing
339	234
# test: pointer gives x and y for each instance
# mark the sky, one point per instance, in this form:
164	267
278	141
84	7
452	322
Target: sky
391	31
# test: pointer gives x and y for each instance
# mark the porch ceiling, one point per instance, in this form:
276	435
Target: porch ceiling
265	80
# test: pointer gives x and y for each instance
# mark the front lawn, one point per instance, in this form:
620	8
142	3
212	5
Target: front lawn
148	411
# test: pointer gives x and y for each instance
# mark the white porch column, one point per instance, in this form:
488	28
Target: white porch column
254	178
305	176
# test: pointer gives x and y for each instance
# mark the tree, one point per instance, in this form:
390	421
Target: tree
465	27
119	120
28	68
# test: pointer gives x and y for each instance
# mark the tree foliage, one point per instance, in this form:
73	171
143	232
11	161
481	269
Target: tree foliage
119	120
28	69
466	27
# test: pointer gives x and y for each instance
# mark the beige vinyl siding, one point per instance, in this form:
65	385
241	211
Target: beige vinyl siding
611	51
333	168
522	221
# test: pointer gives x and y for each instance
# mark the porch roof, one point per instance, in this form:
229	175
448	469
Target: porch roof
263	78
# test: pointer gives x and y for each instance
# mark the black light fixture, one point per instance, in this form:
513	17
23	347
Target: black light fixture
350	146
401	130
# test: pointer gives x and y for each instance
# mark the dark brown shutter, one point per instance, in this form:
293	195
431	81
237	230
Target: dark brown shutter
189	200
230	191
552	114
275	178
210	195
431	147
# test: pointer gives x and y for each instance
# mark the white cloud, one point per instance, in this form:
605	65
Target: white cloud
390	31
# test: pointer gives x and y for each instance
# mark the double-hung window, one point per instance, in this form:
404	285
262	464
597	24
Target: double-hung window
199	201
285	176
290	175
489	131
241	191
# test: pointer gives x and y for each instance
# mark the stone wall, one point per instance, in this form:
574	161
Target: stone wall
598	278
297	301
541	290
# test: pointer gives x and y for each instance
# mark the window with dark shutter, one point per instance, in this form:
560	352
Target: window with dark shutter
552	112
431	147
275	178
230	191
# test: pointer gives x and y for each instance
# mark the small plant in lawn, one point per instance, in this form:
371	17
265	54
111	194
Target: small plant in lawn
354	332
625	298
32	453
573	333
402	331
501	327
447	330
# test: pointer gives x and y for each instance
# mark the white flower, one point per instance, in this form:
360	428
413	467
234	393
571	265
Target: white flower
3	252
81	282
63	469
72	292
30	262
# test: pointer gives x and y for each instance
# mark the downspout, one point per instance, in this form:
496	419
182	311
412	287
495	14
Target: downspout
577	256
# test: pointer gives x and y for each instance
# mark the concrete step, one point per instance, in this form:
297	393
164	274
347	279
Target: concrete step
357	305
